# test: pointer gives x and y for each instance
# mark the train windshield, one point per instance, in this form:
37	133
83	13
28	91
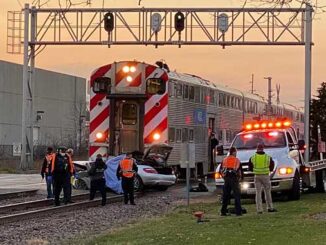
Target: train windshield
270	139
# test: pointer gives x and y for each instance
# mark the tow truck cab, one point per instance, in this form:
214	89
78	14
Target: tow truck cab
282	145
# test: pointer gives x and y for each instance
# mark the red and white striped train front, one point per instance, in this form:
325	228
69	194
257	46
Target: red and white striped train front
128	108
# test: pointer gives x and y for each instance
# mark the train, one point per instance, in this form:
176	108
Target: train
134	105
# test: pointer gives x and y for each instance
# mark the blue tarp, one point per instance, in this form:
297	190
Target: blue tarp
110	174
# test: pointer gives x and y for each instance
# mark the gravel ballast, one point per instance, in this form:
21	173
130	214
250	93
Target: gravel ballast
61	228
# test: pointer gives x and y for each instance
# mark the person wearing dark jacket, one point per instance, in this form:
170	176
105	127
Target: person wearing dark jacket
96	173
46	171
62	169
262	164
231	171
127	170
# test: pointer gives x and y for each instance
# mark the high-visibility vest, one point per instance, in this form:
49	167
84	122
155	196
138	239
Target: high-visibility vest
126	168
48	158
231	162
261	163
70	164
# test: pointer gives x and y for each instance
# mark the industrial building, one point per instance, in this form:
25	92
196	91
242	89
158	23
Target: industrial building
59	110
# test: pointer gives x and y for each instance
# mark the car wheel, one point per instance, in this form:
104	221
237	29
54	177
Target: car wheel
80	185
162	187
138	184
295	192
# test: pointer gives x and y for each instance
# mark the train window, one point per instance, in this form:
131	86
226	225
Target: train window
102	85
171	134
179	90
185	92
228	100
191	93
211	95
184	135
221	99
129	114
178	135
228	136
197	94
171	89
155	86
191	135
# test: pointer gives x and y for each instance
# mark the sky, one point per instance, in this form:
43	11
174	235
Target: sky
232	66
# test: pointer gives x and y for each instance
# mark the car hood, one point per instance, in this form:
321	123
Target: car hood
275	153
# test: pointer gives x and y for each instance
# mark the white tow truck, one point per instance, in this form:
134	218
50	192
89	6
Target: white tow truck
291	174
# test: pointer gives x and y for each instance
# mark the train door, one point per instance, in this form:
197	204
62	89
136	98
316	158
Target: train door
127	125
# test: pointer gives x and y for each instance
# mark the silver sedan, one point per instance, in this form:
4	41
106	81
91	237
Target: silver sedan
147	176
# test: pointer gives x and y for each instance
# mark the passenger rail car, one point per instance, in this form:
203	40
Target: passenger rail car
134	105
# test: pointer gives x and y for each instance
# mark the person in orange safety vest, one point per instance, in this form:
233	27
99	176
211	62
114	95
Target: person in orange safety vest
231	171
46	171
62	169
127	170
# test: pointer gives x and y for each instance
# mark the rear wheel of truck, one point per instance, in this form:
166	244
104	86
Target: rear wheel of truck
294	193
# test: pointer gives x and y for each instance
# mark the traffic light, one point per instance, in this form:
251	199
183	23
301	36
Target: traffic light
108	22
179	21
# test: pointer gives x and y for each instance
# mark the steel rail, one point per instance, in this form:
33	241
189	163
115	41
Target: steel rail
52	210
36	203
15	194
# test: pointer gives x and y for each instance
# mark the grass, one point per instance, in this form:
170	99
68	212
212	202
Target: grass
293	224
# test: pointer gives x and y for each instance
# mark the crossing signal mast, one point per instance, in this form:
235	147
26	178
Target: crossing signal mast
154	26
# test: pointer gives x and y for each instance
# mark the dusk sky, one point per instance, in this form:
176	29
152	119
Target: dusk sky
231	66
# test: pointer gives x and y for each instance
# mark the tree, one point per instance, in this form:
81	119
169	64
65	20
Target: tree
318	117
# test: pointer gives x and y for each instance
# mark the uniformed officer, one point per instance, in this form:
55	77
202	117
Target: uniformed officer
231	171
97	178
262	164
46	171
127	169
62	170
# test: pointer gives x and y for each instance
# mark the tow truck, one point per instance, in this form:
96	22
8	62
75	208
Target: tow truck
291	174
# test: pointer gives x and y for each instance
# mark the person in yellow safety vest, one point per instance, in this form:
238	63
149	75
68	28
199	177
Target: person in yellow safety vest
46	171
62	170
262	164
127	170
231	171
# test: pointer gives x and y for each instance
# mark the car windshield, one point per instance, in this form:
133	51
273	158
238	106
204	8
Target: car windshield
268	139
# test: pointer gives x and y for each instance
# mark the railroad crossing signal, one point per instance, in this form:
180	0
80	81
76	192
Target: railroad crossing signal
179	21
156	22
223	22
108	22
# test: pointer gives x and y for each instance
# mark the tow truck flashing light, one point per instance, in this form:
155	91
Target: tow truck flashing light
267	125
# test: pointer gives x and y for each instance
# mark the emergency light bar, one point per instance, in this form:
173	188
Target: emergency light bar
266	125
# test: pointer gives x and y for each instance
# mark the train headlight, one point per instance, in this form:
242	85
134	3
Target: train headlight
129	79
132	69
156	136
126	69
99	136
283	171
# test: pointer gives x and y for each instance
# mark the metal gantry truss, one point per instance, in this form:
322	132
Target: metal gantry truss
265	26
133	26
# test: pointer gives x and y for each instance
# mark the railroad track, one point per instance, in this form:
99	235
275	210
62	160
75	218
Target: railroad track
14	194
45	209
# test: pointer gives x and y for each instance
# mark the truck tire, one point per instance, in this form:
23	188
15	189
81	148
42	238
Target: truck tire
294	193
320	181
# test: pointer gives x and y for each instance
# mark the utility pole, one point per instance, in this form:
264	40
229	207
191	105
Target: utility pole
252	83
269	101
